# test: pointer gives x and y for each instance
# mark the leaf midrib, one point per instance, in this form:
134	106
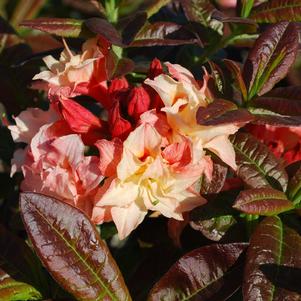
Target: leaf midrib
78	255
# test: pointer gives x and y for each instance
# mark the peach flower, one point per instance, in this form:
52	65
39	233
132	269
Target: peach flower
182	97
153	174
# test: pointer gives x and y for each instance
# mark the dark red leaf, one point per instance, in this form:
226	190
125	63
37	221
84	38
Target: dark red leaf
273	255
277	120
294	186
262	201
284	101
271	57
202	274
105	29
274	11
256	165
222	112
69	28
163	33
70	248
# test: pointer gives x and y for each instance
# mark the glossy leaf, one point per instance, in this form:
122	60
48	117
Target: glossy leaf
274	11
257	166
69	28
270	59
262	201
198	11
284	101
294	187
105	29
71	249
222	112
237	75
162	34
273	255
12	290
202	274
277	120
218	179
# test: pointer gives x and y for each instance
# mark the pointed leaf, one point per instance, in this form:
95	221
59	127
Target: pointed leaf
203	274
257	166
270	58
220	112
236	73
274	11
284	101
294	187
12	290
275	119
163	34
273	257
262	201
105	29
68	28
71	249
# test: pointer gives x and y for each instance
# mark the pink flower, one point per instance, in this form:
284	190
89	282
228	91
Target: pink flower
284	142
58	167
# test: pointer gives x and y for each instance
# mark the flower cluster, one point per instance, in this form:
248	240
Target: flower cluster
151	152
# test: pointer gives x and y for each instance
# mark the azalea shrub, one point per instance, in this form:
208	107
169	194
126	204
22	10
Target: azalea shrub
150	150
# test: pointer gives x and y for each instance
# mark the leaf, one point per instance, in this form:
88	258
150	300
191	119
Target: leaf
153	6
218	179
105	29
236	73
294	187
201	11
132	25
17	259
271	57
220	112
71	249
124	66
277	10
284	101
246	7
202	274
262	201
163	34
12	290
257	166
273	246
277	120
68	28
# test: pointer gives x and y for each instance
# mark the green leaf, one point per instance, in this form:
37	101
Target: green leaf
274	11
12	290
68	28
262	201
270	59
207	273
70	248
246	7
273	263
257	166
